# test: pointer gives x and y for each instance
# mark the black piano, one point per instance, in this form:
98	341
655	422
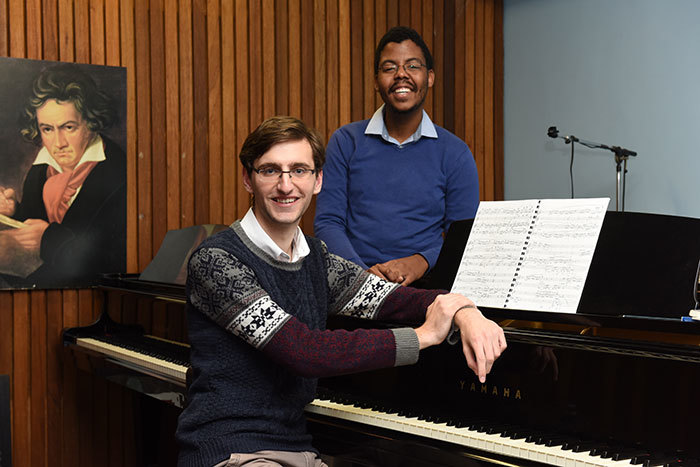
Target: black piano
613	384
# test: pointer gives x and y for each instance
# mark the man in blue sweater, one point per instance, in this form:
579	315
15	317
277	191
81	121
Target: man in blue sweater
394	183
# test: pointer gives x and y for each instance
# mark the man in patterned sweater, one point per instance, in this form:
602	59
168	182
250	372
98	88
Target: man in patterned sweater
258	295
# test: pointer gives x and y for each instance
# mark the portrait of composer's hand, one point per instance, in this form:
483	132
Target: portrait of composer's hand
401	270
29	237
7	201
483	340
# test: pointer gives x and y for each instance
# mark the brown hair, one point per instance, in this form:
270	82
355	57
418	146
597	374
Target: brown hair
280	129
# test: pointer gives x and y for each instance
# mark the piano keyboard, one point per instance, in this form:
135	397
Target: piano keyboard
576	455
493	443
138	360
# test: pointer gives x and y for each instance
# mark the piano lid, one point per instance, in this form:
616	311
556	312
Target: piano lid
170	264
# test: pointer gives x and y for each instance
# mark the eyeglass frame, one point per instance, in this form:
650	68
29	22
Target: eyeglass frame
413	62
282	172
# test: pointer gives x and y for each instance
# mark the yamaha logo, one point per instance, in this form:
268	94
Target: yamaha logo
492	390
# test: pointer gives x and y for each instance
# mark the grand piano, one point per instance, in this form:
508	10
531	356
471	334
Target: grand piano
613	384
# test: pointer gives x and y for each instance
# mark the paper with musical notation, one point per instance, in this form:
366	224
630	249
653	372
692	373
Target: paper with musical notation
530	254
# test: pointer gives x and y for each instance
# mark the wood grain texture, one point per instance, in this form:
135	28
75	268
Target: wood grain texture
201	74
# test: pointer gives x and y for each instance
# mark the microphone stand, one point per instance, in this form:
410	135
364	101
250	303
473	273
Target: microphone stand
621	156
620	180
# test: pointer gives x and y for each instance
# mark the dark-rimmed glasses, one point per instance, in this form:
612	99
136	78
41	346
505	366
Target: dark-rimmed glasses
411	67
273	173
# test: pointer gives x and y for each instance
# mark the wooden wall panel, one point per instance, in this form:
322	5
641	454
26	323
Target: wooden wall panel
201	74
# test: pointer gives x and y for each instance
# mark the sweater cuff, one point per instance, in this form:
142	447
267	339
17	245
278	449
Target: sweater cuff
407	346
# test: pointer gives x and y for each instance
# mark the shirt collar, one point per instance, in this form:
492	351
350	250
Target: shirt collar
376	126
94	152
262	240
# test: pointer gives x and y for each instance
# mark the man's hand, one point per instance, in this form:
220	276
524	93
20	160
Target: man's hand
7	201
483	340
29	237
438	318
401	270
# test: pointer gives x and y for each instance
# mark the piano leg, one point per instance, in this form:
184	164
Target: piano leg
155	431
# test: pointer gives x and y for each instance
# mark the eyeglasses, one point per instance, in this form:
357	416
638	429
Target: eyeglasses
411	68
272	173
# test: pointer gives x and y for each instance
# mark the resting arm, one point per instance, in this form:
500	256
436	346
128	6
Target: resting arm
401	270
229	294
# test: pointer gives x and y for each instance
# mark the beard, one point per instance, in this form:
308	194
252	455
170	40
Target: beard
422	93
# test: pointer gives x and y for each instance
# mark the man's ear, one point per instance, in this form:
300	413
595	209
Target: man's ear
247	184
431	78
319	182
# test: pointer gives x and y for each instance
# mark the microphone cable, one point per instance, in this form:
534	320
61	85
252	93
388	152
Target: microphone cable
571	170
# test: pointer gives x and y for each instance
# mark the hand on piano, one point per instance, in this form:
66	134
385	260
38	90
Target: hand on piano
403	271
439	317
483	340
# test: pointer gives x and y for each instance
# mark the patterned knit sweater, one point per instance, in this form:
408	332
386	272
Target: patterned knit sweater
257	329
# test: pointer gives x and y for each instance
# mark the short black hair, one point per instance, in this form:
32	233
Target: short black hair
399	34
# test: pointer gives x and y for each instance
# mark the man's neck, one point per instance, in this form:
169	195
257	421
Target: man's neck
283	235
401	126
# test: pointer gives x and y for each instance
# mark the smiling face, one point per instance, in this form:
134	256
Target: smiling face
63	132
403	92
280	202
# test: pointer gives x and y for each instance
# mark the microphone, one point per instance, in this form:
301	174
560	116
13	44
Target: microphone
552	132
623	152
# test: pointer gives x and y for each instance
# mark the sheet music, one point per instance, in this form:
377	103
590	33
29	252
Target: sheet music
10	222
531	254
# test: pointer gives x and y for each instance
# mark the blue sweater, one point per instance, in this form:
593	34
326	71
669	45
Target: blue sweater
381	201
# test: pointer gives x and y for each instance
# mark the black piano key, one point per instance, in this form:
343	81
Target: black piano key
662	461
519	434
552	442
628	454
605	451
495	429
533	437
639	459
578	445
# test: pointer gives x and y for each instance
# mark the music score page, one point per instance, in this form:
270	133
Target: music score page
530	254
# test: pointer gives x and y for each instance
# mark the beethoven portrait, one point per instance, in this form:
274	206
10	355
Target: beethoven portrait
65	223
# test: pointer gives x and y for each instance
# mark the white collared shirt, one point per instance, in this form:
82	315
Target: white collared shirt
262	240
94	152
376	126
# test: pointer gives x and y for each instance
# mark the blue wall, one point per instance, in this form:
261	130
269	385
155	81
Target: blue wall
617	72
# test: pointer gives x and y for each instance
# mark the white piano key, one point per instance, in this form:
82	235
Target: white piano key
138	359
494	443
